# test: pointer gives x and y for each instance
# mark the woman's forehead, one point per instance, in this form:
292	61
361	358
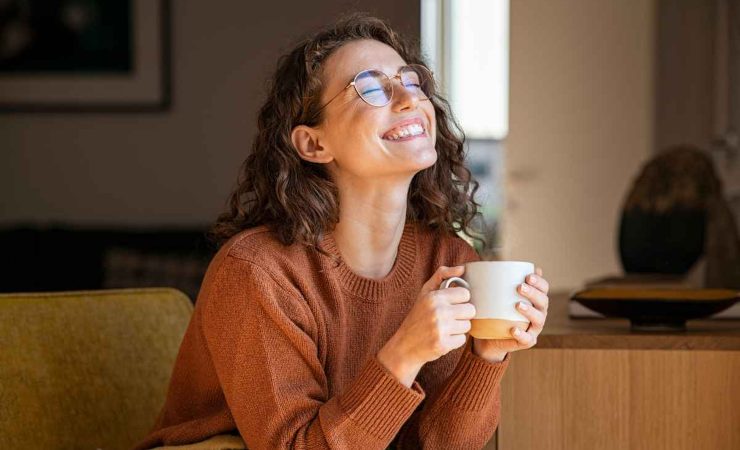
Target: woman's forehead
357	56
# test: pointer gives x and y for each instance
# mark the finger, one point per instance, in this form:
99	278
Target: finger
536	318
457	340
539	282
460	327
449	296
463	311
454	295
538	298
538	271
525	339
441	274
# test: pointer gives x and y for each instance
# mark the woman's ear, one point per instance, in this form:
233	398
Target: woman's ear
306	141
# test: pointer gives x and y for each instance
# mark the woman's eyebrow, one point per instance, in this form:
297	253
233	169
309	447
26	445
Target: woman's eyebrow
351	78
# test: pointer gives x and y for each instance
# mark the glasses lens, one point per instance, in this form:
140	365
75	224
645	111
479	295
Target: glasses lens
418	80
374	87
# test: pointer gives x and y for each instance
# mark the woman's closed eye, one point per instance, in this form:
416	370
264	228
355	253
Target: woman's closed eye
370	91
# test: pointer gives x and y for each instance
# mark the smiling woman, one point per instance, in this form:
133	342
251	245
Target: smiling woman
308	89
321	322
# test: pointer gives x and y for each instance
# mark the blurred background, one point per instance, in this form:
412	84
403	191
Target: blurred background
124	123
604	134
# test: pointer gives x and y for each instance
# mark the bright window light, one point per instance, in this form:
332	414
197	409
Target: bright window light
467	44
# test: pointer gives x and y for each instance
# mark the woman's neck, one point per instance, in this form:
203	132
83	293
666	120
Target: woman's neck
370	228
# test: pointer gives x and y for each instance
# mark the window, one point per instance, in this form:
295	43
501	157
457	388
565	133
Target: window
466	43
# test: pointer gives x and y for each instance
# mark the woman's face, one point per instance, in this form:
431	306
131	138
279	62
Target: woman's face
357	135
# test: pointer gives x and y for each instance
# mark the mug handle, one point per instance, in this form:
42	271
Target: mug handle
446	283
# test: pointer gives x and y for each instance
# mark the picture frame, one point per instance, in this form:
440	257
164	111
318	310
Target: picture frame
132	74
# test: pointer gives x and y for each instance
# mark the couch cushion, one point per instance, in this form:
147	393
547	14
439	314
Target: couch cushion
86	369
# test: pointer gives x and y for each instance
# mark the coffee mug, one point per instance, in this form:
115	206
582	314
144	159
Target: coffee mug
493	292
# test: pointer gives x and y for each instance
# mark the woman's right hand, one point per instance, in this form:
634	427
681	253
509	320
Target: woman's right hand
435	326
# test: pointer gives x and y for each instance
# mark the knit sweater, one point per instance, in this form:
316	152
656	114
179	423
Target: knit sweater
282	349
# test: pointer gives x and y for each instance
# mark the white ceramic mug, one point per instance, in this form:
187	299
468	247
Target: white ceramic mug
493	292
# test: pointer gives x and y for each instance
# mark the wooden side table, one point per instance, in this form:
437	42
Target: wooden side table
593	384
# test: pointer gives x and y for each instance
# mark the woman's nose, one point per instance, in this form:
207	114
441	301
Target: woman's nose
403	97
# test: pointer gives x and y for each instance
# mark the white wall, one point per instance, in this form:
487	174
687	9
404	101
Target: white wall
173	168
581	115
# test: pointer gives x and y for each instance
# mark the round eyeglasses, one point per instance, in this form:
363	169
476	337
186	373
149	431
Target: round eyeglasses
376	88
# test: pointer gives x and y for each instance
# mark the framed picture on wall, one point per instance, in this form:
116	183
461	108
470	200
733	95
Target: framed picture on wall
84	55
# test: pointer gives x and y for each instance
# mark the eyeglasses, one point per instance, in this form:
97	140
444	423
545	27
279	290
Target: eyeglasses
376	88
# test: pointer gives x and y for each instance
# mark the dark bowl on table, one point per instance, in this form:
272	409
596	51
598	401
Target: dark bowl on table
656	309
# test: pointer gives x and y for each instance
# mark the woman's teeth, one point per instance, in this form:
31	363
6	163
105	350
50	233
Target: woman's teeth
410	130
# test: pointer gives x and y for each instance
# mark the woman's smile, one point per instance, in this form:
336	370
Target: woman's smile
406	130
407	137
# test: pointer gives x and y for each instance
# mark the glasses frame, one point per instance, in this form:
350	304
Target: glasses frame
353	83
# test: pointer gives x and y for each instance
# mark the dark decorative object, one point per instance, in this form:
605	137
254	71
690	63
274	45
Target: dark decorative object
674	214
661	243
657	309
84	55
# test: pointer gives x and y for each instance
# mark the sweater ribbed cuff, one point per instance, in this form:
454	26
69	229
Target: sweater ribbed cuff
473	382
378	402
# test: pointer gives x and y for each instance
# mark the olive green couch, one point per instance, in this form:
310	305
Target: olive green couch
86	369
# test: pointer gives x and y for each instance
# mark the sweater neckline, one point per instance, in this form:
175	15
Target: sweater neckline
376	289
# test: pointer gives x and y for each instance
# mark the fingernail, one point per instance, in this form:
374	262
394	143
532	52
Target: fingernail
517	332
532	279
525	288
523	306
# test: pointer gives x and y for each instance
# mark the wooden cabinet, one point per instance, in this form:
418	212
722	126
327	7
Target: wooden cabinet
592	384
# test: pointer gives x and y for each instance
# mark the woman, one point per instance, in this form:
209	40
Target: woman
319	323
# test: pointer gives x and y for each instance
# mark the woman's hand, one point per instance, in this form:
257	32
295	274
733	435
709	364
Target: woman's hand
535	289
437	324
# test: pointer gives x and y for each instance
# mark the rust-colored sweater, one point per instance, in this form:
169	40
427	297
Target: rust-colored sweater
282	347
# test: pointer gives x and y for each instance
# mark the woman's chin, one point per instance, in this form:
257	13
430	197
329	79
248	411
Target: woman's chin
423	157
421	161
427	159
417	149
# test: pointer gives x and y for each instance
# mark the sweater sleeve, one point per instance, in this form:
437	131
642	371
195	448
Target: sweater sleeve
263	342
465	412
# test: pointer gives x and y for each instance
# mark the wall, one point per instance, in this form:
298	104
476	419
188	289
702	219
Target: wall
581	115
173	168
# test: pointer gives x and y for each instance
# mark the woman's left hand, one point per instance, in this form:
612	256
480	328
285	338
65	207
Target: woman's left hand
535	289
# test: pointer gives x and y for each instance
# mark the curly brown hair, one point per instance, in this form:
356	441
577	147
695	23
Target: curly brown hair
297	199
